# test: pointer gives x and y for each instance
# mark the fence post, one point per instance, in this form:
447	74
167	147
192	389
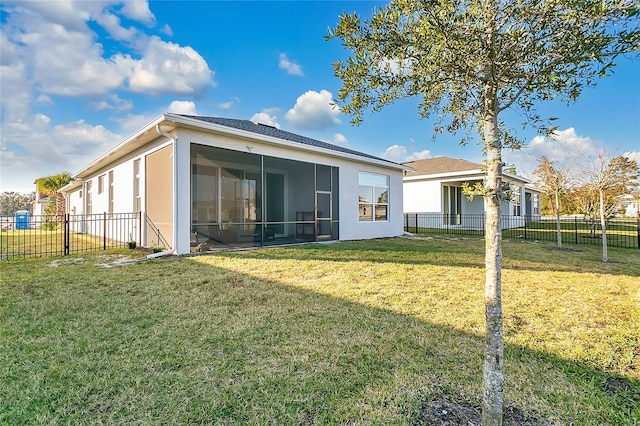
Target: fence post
67	239
638	232
416	223
575	225
525	227
104	230
140	228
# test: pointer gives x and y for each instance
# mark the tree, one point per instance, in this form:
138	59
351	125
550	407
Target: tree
609	178
50	185
469	62
11	202
553	180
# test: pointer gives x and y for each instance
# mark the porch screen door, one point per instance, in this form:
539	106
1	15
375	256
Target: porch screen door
323	215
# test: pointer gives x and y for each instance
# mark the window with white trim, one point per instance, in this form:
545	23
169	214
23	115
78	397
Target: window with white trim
137	202
515	202
89	198
100	184
373	197
110	183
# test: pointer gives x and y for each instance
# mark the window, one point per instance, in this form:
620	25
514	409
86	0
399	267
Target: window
373	197
88	197
100	184
111	191
516	200
137	204
536	204
452	203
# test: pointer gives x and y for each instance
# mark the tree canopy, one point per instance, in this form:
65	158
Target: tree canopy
50	185
11	202
468	62
447	52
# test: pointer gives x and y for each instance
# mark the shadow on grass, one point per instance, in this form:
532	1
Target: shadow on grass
182	342
459	252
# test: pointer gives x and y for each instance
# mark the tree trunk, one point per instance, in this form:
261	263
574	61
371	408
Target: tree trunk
493	376
603	223
558	228
60	204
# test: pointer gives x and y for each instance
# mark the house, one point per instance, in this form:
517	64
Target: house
630	204
40	201
208	182
435	187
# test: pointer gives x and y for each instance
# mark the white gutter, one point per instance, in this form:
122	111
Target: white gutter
174	140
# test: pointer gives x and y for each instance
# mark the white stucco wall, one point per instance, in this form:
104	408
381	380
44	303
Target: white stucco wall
422	196
350	227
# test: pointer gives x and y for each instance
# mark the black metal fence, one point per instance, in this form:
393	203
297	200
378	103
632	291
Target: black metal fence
574	230
51	235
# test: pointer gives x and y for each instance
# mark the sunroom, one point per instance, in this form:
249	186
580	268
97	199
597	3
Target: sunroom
245	199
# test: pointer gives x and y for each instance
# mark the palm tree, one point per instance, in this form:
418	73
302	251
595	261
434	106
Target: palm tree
50	185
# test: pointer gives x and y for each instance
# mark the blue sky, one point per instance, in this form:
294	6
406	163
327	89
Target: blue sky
78	77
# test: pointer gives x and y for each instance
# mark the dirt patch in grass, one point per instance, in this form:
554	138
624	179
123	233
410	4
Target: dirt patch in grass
445	410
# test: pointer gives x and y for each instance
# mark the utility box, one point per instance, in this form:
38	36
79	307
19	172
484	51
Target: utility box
22	219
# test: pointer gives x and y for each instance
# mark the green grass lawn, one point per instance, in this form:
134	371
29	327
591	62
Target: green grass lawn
366	332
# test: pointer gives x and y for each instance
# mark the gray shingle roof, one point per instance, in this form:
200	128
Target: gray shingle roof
263	129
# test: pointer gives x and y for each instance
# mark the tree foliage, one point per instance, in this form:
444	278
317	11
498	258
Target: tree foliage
468	62
445	53
50	185
554	181
11	202
605	179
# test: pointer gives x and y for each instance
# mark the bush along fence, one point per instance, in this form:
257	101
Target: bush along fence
575	230
50	235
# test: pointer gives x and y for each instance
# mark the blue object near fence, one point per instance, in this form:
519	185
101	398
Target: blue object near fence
22	219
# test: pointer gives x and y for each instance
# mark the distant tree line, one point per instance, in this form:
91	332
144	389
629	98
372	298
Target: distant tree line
11	202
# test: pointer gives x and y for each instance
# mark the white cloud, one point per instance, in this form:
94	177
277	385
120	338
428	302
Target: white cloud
266	117
44	100
167	30
314	111
111	23
167	68
563	148
61	55
290	67
231	102
133	122
34	148
633	155
401	154
183	107
340	139
139	11
113	103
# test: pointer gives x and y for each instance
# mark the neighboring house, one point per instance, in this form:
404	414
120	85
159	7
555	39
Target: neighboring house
207	182
630	203
435	186
40	202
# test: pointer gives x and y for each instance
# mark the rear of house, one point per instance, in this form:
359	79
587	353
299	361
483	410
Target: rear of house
209	182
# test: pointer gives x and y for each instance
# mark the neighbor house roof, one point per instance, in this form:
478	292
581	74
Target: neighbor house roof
447	167
438	165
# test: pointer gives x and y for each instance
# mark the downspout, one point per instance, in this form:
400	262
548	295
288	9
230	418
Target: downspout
174	249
